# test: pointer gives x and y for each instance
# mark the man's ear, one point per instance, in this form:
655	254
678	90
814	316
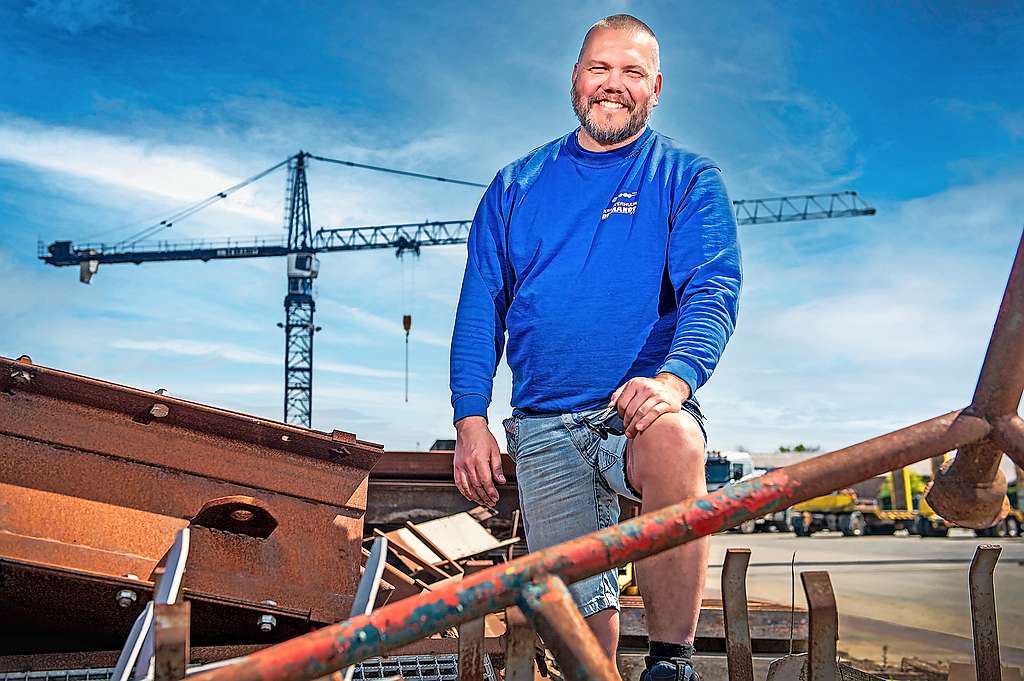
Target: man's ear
656	95
575	70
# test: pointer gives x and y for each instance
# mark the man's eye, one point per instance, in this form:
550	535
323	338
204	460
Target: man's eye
596	69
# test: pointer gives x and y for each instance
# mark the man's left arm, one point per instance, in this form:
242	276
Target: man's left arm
704	268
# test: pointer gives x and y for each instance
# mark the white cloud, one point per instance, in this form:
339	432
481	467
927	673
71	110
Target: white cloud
242	355
127	164
377	323
78	16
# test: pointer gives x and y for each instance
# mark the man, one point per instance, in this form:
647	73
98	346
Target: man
609	256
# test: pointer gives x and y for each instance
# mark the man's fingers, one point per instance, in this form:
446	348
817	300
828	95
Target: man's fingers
626	393
462	484
640	405
629	408
486	484
651	415
476	484
496	469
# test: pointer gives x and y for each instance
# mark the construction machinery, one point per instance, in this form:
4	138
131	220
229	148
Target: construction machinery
725	468
846	512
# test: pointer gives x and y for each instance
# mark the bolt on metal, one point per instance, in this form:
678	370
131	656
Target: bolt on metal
126	598
267	623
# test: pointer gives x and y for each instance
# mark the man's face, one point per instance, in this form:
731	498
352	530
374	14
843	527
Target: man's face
615	85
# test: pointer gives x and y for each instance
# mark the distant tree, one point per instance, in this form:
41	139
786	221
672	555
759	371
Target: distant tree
799	448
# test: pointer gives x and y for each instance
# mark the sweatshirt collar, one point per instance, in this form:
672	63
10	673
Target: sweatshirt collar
602	159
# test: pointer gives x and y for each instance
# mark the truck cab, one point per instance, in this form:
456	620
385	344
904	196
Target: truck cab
722	468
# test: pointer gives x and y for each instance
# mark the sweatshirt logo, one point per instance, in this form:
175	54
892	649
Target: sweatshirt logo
624	203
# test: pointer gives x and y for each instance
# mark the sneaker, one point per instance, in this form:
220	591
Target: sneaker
675	669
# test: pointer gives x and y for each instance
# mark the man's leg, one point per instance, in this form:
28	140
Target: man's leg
666	465
605	625
562	498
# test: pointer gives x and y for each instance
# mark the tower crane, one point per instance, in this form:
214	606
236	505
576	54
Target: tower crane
302	245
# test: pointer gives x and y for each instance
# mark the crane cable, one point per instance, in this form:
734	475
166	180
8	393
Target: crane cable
353	164
168	222
407	305
196	207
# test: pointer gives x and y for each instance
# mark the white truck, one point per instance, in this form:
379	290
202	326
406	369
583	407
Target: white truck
725	468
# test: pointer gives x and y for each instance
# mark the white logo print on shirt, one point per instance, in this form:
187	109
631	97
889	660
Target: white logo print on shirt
621	203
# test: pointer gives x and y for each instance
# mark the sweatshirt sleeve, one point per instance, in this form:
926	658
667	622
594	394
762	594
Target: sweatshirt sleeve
704	268
479	336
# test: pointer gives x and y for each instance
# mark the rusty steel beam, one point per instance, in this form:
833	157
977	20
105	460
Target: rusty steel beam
549	606
1001	382
171	641
101	476
421	466
471	650
971	491
1008	433
738	650
983	611
520	647
320	652
823	629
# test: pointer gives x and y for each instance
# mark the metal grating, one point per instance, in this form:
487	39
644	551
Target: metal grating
96	674
412	667
425	667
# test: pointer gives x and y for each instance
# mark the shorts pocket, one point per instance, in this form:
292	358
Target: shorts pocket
512	425
591	448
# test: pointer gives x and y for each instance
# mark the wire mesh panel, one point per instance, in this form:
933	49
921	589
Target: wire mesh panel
412	667
97	674
425	667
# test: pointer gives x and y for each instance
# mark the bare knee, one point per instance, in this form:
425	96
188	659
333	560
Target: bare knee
670	452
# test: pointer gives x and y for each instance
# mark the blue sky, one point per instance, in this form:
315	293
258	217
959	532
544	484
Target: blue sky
113	113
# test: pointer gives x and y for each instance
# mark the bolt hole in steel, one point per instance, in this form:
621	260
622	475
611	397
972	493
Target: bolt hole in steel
242	515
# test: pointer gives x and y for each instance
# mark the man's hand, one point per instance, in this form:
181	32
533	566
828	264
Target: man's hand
640	401
477	461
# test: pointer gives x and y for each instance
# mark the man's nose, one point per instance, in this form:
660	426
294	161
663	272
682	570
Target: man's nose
614	82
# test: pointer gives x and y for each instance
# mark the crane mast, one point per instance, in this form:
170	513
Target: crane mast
299	306
302	246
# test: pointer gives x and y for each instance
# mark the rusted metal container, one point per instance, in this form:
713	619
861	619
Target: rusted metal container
96	478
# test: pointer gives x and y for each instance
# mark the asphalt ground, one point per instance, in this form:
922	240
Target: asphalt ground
905	594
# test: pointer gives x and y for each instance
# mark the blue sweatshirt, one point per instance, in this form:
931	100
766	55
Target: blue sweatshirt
601	267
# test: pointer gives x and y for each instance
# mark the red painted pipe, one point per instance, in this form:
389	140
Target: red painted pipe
331	648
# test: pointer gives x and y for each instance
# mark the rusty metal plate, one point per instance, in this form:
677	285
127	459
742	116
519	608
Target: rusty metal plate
95	479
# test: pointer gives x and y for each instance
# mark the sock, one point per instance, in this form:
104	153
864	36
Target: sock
663	651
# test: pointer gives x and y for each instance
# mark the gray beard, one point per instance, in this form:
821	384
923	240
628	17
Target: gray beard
638	117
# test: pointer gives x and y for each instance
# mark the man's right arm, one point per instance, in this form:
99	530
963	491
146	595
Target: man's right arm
477	345
479	336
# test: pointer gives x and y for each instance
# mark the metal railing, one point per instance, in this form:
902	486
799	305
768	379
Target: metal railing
970	492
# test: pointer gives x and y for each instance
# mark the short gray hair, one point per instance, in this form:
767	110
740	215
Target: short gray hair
624	22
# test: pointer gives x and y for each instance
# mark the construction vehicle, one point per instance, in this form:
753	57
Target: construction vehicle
724	468
844	511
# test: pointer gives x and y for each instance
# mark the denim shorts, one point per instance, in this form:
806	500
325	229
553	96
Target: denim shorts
569	483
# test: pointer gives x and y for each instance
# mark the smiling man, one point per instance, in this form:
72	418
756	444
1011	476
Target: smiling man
609	258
